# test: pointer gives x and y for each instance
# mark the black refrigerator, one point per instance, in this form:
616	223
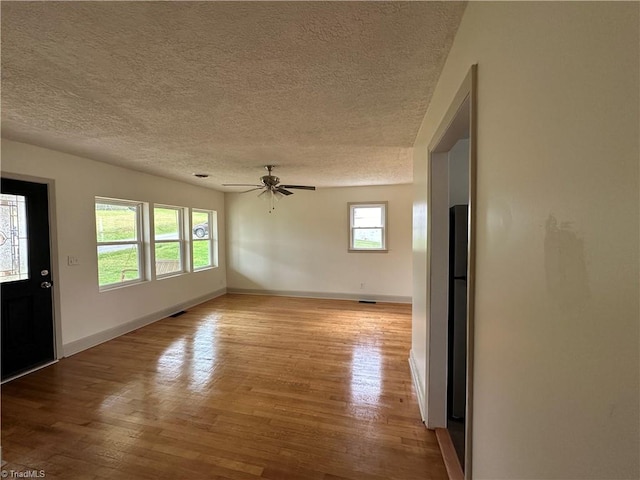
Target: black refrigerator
457	327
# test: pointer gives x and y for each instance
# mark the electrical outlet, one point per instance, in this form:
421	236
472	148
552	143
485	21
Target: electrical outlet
362	286
72	261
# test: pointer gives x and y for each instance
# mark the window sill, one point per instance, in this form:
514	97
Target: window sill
368	250
170	275
204	269
118	286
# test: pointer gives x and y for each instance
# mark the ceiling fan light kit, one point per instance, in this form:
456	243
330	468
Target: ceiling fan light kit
271	188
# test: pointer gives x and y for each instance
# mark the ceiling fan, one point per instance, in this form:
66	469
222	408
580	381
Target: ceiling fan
270	185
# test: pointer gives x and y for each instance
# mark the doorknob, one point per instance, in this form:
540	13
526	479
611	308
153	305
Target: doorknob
45	285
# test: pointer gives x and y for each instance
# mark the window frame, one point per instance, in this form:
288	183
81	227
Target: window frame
212	240
139	242
182	242
351	206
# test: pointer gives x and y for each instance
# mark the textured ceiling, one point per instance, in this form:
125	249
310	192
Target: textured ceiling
333	93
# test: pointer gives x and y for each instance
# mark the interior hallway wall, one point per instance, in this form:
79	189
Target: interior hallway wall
557	315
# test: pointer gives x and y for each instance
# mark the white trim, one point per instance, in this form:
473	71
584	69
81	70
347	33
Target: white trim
327	295
183	241
193	238
461	115
138	242
415	378
383	227
77	346
438	291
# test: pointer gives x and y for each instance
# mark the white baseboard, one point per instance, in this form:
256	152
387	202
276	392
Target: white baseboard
76	346
415	377
328	295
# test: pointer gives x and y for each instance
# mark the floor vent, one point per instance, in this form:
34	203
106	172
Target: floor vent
366	301
177	314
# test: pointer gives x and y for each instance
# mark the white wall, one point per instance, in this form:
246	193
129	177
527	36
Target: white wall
459	173
85	311
419	328
557	317
438	300
302	246
450	171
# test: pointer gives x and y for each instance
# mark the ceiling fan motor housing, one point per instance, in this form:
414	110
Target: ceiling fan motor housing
270	183
269	180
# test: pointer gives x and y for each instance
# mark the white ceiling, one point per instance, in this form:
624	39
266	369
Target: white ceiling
333	93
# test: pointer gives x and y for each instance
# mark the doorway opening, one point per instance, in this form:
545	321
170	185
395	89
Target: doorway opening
451	234
26	279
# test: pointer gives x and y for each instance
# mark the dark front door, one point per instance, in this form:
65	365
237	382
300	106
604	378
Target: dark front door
25	277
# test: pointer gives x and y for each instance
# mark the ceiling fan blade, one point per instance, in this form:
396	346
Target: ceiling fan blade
299	187
283	191
241	185
252	190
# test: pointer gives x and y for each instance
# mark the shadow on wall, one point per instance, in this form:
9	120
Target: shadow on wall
246	282
566	270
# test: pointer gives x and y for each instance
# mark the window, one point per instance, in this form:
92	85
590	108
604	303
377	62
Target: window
14	250
122	254
368	226
204	237
169	240
120	242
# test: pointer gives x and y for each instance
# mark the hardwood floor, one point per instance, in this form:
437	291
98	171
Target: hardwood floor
240	387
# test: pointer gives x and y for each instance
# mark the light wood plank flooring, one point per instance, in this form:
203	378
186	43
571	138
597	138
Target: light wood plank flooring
240	387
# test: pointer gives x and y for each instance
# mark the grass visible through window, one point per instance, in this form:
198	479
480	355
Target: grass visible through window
113	263
366	244
121	264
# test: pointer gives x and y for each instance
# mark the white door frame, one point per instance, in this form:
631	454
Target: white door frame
459	121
